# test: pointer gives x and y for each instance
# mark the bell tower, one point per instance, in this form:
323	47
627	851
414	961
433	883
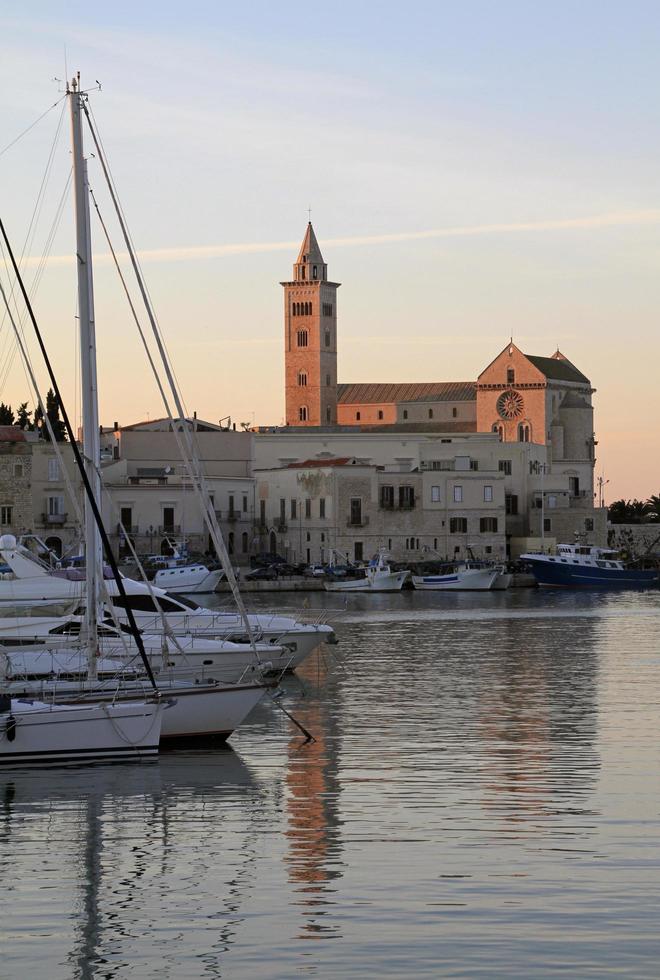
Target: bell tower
310	339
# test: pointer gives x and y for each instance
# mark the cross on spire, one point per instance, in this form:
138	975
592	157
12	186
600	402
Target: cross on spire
309	214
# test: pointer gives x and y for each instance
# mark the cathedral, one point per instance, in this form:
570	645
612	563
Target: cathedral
520	397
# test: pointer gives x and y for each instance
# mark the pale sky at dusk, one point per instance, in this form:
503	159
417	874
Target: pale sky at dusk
474	170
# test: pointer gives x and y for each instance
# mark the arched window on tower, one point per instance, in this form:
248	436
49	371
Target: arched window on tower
314	272
523	432
302	413
357	416
302	378
499	429
328	414
510	376
327	338
303	338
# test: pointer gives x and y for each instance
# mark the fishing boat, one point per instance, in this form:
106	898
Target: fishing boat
588	567
471	576
378	576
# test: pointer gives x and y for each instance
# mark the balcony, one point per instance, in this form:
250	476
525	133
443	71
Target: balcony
54	519
281	527
355	521
169	529
131	529
232	515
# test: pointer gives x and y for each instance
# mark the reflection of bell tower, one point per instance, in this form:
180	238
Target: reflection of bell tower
310	339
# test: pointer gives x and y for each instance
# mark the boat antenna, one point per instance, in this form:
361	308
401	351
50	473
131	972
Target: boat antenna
81	466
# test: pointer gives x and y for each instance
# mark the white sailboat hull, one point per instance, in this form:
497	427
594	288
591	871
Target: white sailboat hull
53	734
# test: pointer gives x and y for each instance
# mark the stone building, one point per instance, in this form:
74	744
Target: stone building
149	494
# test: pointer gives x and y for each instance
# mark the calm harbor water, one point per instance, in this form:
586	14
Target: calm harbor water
482	799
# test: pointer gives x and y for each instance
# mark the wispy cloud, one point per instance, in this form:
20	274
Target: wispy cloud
188	253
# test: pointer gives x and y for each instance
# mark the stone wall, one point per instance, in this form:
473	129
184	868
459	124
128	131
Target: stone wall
635	538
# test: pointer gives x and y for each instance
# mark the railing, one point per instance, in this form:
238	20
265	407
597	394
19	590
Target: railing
54	518
281	527
128	528
354	521
169	529
153	481
232	515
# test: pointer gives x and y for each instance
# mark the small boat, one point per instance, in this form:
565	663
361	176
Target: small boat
473	576
503	580
192	577
378	576
34	732
588	567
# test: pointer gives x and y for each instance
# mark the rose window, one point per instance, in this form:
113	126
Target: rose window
510	405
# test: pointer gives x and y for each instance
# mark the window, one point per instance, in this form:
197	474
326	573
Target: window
504	466
547	524
303	338
406	498
357	416
458	525
53	469
314	272
327	380
302	413
358	551
574	486
355	517
5	514
282	510
380	413
327	309
435	495
454	413
231	504
488	494
244	542
458	494
474	464
523	433
308	507
302	378
328	414
488	525
387	497
18	469
168	518
551	500
294	509
430	413
588	523
327	338
510	376
262	513
405	413
322	508
245	506
230	543
511	504
126	517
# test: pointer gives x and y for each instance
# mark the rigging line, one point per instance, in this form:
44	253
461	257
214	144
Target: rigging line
96	135
33	288
31	126
79	461
190	459
36	211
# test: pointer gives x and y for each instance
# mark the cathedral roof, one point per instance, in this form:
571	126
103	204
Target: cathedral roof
423	391
558	369
310	248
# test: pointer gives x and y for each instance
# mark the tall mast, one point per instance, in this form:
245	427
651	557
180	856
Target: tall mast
90	414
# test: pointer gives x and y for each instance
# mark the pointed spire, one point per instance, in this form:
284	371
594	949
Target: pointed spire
309	265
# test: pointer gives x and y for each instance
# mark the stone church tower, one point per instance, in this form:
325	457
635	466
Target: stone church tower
310	339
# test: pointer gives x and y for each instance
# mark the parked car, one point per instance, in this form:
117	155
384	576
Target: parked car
263	573
314	571
266	558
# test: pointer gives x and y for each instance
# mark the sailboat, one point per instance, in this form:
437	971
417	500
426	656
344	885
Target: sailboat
212	709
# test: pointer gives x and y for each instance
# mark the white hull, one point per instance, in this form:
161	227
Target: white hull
381	582
188	579
466	579
57	733
191	711
502	582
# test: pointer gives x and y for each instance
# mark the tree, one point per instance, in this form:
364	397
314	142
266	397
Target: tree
6	414
653	507
53	413
627	511
23	416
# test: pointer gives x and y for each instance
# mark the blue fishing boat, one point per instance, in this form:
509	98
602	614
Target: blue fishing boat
584	566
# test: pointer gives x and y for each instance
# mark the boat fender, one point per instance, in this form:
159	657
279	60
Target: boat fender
10	728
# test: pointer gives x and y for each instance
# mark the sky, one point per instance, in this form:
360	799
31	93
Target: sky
475	171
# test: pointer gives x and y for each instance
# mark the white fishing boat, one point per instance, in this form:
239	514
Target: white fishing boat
378	576
458	576
33	732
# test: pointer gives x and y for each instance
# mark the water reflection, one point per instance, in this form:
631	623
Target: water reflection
314	841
